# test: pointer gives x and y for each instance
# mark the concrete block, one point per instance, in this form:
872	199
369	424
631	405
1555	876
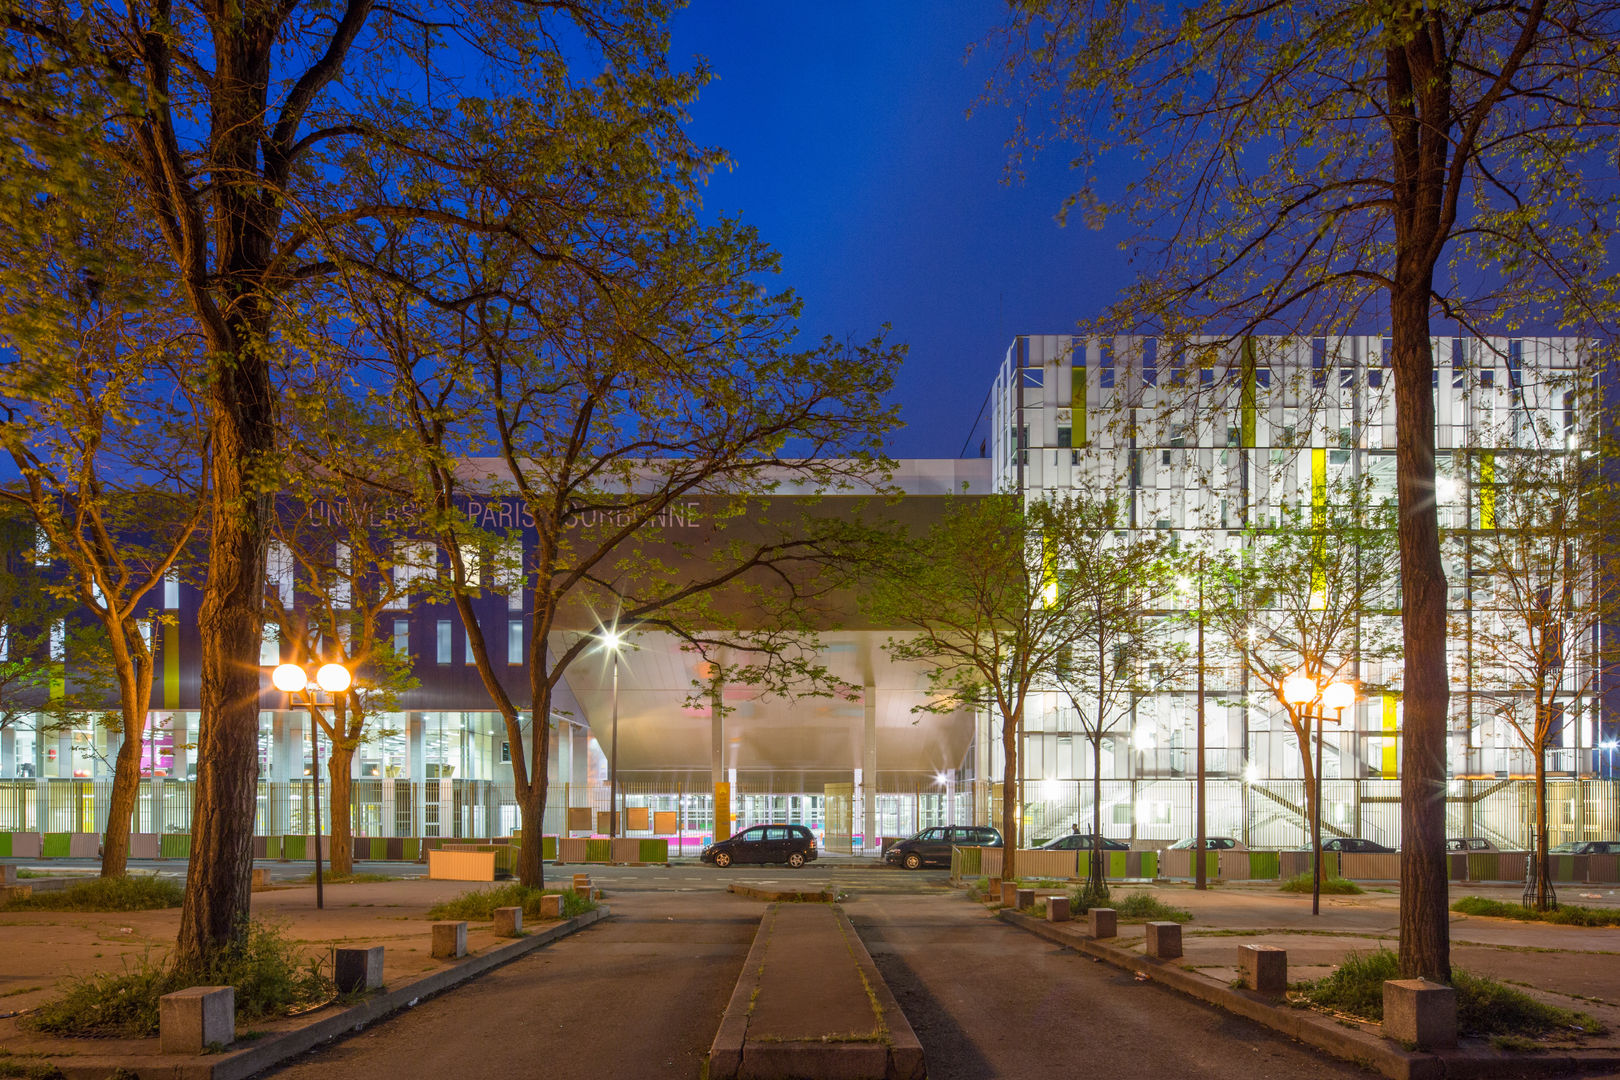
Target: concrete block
190	1021
1104	922
449	940
8	874
582	884
993	887
261	878
1009	894
508	921
1057	908
1420	1013
1164	940
551	906
357	969
1025	898
1264	968
9	893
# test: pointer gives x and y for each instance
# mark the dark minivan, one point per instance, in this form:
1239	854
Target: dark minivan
932	847
791	844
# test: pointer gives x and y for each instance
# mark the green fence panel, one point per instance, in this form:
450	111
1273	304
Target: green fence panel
1265	865
56	845
413	849
379	847
1486	866
1150	864
655	851
548	847
174	845
294	847
1562	866
5	845
1117	864
272	847
599	849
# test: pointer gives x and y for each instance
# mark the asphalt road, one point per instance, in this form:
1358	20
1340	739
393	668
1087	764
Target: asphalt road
641	995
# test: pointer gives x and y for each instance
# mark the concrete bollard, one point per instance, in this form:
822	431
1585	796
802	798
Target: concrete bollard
1264	968
357	969
1104	922
1025	898
1164	940
1009	894
9	893
8	874
261	878
551	906
582	884
992	888
508	922
192	1020
449	940
1057	908
1420	1013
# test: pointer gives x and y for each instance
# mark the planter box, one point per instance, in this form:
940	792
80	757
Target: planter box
461	865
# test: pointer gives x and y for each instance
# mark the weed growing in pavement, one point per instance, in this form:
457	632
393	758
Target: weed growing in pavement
481	903
1145	907
104	894
1484	1006
1567	915
27	1067
1331	886
271	975
1083	898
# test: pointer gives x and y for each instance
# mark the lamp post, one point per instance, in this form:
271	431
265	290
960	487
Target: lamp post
1300	691
613	642
334	679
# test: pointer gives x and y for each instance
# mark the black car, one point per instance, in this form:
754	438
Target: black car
1081	841
1354	845
791	844
932	847
1586	847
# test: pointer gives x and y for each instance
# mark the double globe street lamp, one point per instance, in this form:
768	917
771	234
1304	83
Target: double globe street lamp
1301	691
332	679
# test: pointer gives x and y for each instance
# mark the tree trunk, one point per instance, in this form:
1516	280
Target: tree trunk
1096	880
121	804
531	863
1009	795
1543	897
1425	928
339	763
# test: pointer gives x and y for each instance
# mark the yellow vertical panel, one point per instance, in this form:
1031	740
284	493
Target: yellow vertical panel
1487	491
1077	394
171	666
1391	724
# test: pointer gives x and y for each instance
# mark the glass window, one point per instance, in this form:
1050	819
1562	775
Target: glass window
402	637
514	641
443	640
776	833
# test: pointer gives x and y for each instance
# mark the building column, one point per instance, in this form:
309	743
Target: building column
8	751
42	786
416	766
719	784
869	773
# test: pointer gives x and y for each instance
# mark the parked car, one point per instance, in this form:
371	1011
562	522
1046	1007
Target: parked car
1470	843
1081	841
1353	845
932	847
1211	843
794	845
1586	847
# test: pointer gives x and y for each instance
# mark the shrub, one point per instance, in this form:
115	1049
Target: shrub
270	974
1083	898
1331	886
105	894
481	903
1484	1006
1571	915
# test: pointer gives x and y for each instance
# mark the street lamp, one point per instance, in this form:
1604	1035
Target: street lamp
613	642
333	679
1300	691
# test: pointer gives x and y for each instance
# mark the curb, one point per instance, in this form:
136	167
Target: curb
275	1050
1311	1028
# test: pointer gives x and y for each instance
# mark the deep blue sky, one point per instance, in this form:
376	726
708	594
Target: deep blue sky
856	159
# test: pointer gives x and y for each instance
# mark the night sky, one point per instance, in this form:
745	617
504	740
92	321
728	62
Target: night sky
856	159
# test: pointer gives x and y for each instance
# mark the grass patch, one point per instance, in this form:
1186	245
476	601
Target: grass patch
25	873
1331	886
105	894
1484	1006
481	903
1083	898
27	1067
1567	915
270	973
344	879
1145	907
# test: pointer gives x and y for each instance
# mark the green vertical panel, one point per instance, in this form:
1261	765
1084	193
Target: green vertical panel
413	849
1116	863
1563	867
1212	863
171	666
655	851
1084	865
548	847
56	845
293	847
272	847
5	845
174	845
1150	864
379	848
1250	392
1266	865
1077	394
599	850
